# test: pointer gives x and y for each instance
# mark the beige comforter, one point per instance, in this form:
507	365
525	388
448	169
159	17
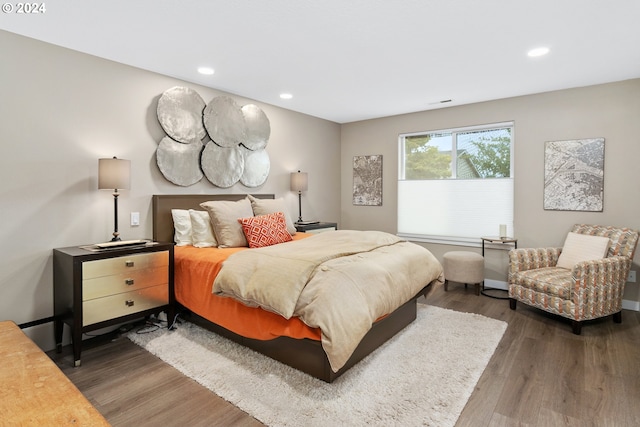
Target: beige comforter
340	282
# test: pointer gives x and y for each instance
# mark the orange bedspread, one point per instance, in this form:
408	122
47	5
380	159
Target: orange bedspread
195	270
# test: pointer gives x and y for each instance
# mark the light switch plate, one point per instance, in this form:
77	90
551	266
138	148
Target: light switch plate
135	218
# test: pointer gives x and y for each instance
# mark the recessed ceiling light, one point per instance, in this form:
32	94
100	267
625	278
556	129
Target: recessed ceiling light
206	71
286	96
539	51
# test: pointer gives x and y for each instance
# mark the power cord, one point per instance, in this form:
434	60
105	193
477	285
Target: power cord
153	325
148	327
175	320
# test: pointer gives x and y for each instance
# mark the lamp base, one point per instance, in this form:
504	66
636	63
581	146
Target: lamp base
116	235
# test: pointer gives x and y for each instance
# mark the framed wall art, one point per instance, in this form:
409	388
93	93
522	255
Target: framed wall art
574	175
367	180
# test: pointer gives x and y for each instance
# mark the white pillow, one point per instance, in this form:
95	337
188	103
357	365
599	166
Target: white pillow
582	247
201	230
269	206
181	227
224	215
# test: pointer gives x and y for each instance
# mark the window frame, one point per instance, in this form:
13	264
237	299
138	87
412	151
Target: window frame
454	148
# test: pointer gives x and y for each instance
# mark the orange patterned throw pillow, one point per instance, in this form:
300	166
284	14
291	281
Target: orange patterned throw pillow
265	230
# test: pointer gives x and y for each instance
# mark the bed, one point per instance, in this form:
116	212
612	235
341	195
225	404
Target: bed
288	340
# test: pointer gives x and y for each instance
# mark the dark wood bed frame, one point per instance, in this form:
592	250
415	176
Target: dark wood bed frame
303	354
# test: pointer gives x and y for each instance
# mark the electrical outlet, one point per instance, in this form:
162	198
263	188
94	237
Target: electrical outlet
632	276
135	219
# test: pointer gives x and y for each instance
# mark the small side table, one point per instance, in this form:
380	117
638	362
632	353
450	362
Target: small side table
93	289
496	240
317	227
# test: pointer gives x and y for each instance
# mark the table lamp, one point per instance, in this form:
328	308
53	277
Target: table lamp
299	183
114	174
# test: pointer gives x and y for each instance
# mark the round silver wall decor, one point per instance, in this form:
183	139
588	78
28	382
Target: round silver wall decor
223	166
258	128
220	140
179	163
224	121
256	167
180	114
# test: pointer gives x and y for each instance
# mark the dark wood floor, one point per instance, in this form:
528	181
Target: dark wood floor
540	375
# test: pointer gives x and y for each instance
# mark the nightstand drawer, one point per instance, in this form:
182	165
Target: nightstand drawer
124	264
110	307
125	282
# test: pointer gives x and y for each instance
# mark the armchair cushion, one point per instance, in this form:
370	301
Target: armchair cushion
553	281
582	247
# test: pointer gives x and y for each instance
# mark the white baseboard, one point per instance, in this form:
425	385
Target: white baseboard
631	305
497	284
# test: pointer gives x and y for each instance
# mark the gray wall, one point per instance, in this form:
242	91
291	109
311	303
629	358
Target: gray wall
611	111
60	111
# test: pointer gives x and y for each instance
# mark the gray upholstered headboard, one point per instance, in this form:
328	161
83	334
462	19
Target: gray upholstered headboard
163	203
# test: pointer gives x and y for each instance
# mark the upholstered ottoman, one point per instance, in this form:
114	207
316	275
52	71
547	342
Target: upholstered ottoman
463	267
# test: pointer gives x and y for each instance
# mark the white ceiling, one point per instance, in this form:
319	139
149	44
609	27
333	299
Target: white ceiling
349	60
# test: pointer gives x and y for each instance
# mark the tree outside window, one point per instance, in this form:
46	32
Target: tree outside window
478	154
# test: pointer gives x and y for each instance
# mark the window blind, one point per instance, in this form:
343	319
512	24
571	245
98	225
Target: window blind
455	211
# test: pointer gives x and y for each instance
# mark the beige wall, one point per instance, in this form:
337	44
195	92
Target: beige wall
611	111
60	111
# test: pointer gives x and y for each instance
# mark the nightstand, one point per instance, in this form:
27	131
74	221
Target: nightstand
318	227
96	288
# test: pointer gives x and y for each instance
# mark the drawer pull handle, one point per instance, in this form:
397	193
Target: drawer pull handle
129	281
129	303
129	263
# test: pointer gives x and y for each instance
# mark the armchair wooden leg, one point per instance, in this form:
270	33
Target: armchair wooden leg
512	303
577	327
617	317
446	285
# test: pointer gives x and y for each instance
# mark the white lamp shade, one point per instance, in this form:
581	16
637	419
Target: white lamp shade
299	181
114	174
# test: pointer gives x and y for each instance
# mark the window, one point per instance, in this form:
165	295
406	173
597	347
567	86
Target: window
456	185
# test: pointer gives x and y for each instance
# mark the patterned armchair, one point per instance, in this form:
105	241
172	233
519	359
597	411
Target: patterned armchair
592	289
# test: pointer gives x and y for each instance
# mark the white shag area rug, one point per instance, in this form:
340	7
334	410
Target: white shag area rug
422	376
